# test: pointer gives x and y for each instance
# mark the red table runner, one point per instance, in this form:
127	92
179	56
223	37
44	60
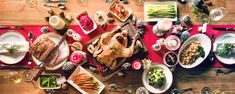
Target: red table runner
149	39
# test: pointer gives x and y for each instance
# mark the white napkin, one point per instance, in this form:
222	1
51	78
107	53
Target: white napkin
23	46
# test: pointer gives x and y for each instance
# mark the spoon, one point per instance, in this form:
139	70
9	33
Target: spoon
31	37
224	71
176	91
124	66
211	54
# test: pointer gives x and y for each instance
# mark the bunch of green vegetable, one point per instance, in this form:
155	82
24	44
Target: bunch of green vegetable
161	11
201	51
48	81
156	77
196	12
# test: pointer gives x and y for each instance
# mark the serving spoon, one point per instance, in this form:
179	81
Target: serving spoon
124	66
60	5
31	37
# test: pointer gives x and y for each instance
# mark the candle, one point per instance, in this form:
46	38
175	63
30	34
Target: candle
136	65
76	58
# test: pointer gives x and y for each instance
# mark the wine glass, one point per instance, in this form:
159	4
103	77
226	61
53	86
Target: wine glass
217	13
14	77
139	2
31	3
82	2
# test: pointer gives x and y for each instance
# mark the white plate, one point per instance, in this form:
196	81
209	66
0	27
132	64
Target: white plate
226	38
205	43
158	3
165	87
12	36
80	69
63	48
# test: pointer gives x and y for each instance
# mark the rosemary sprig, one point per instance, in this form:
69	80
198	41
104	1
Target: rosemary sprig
12	49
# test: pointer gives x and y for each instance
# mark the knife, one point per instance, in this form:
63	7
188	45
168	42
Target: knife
224	29
49	57
3	66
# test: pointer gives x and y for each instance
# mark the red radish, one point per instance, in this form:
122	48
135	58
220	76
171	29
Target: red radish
76	58
136	65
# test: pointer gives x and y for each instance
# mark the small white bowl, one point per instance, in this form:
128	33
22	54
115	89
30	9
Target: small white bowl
94	24
165	87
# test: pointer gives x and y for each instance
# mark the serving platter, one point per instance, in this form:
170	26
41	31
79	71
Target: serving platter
126	26
146	4
63	48
80	69
226	38
16	37
205	43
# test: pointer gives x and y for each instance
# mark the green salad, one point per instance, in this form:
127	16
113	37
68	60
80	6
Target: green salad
156	77
48	81
225	49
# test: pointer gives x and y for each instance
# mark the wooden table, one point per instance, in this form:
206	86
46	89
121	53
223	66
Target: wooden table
16	12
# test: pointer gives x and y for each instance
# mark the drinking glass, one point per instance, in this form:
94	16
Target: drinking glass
28	76
217	13
204	19
31	3
139	2
82	2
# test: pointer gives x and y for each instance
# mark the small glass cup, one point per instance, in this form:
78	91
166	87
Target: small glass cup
204	19
31	3
28	76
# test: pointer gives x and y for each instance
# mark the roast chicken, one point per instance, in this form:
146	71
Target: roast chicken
111	46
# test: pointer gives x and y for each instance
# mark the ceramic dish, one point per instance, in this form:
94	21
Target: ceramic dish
146	4
101	18
63	48
226	38
170	59
13	36
114	12
79	24
166	85
47	75
205	43
78	70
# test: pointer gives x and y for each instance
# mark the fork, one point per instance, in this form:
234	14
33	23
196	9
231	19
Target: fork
17	27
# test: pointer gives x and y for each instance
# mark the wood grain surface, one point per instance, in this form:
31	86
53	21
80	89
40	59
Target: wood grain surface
17	12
